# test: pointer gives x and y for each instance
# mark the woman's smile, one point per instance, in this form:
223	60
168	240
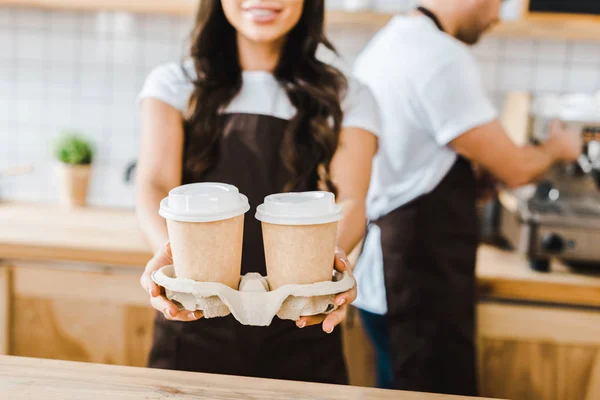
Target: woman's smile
260	11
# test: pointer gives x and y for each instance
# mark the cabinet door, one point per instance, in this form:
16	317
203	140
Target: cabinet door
535	352
5	294
85	314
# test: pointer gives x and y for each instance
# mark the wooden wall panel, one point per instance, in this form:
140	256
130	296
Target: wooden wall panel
360	356
528	370
139	323
81	331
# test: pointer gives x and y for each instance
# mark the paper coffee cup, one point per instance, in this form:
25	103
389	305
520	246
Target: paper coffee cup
299	234
206	230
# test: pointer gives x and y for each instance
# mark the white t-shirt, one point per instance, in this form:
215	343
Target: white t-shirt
428	87
260	94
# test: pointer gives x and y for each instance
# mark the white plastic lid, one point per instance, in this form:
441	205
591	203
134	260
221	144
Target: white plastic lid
307	208
203	202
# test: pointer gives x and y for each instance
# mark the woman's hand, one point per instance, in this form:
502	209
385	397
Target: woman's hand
342	300
157	298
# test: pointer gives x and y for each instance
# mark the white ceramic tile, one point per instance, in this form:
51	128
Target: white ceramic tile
94	24
30	46
33	146
552	50
7	80
124	51
95	50
30	19
7	107
125	25
7	43
162	28
585	52
121	144
29	111
60	84
118	193
85	120
511	10
8	140
489	75
101	23
488	48
156	53
94	83
124	122
583	78
59	115
516	76
7	17
61	48
178	53
549	78
183	28
68	22
30	90
522	49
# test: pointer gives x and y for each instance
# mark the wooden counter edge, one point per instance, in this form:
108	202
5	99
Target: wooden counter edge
68	374
98	256
495	288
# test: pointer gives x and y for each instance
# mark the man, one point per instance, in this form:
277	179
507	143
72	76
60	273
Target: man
418	264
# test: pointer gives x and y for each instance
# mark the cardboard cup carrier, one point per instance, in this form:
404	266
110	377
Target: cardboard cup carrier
205	223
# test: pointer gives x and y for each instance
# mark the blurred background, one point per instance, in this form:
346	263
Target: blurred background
63	69
69	276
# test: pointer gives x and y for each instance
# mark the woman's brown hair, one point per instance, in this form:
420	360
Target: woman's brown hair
314	88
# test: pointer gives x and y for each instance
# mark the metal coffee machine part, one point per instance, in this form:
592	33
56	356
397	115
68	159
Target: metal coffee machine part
560	216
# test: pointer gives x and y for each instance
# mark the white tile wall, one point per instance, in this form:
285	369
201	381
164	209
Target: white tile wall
82	70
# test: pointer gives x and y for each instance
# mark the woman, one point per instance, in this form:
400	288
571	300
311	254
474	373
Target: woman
256	109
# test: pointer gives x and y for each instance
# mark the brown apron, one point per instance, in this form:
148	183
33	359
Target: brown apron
429	248
249	158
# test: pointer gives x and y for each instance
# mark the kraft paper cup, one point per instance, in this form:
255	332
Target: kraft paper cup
299	234
206	228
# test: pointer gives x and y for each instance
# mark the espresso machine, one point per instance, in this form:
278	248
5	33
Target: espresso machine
560	215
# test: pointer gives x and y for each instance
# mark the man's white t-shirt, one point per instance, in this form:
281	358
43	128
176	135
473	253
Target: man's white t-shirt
428	87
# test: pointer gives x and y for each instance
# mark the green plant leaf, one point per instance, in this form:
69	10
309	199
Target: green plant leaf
74	148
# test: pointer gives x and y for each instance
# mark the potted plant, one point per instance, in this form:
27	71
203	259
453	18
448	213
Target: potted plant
75	154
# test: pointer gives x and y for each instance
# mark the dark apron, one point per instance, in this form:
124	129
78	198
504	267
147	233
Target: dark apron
429	249
249	158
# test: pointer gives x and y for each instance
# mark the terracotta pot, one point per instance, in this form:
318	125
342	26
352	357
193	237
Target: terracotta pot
73	184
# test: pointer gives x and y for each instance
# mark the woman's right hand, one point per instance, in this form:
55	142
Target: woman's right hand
158	299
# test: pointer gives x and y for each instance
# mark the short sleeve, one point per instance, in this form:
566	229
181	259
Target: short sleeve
169	83
360	108
454	100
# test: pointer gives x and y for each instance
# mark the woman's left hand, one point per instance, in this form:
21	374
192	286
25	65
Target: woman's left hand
342	300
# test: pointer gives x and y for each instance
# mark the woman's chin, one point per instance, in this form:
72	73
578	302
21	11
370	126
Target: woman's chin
262	35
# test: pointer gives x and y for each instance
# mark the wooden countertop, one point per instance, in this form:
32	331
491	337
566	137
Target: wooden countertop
27	378
104	236
48	232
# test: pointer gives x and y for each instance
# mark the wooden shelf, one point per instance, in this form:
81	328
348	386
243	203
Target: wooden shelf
541	28
171	7
560	29
569	29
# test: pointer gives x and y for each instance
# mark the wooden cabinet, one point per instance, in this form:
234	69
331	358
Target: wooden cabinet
525	352
91	313
539	352
75	312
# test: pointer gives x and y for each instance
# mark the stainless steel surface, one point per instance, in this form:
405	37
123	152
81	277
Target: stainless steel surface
562	218
579	244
